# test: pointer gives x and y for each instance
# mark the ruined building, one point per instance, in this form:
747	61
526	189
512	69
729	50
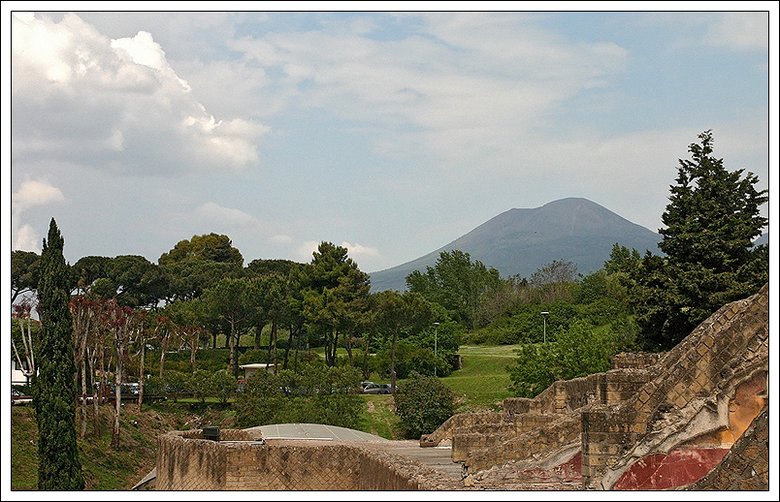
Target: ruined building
692	418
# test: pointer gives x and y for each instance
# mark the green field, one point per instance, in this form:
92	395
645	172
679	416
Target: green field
483	382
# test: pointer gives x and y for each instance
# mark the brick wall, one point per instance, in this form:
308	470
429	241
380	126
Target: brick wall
186	462
690	395
636	360
463	422
537	443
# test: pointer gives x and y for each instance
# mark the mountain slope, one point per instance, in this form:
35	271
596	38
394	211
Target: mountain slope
520	241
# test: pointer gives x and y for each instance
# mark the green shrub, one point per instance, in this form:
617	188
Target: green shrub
200	385
254	356
175	384
423	404
579	351
223	385
316	394
411	358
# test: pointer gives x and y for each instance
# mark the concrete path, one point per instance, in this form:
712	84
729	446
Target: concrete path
439	458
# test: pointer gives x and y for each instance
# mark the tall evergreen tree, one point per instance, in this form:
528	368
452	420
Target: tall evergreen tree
710	222
54	388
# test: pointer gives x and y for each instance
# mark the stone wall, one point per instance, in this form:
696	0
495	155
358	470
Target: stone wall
535	444
186	462
691	396
676	412
636	360
463	422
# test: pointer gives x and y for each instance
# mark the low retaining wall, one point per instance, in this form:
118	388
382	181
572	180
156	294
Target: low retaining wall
187	462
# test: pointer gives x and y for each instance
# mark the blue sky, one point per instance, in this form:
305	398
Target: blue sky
389	133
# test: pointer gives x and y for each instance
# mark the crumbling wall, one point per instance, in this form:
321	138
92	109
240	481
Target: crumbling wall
672	415
536	444
636	360
694	398
465	421
187	462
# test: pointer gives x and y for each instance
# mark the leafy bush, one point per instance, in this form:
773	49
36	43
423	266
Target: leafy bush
316	394
200	384
579	351
423	403
223	385
175	384
254	356
410	357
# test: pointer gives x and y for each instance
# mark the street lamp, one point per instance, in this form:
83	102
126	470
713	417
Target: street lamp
435	347
544	316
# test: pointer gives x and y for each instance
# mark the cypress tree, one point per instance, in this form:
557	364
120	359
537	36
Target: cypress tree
710	222
54	388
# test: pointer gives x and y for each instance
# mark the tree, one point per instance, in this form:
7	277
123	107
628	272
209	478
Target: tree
457	284
235	302
553	281
423	404
580	350
120	321
397	315
23	315
336	298
195	265
24	273
54	388
710	222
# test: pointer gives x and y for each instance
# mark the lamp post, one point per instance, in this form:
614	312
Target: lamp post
544	316
435	347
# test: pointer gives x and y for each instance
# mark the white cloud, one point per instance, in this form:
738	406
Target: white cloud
81	96
31	193
357	251
740	30
213	213
306	249
35	193
27	239
464	84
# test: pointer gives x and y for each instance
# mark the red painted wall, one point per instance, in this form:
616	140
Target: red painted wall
678	468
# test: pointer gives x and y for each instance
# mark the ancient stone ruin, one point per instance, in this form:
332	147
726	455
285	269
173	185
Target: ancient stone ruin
692	418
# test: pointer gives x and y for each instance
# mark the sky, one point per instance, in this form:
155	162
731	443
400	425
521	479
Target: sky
389	133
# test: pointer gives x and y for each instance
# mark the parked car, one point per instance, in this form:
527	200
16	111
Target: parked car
374	388
366	383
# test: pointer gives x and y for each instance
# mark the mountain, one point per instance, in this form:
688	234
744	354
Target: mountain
520	241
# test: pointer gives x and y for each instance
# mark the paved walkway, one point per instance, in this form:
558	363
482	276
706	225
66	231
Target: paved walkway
315	431
439	458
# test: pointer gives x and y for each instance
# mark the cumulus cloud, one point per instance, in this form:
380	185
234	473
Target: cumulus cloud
35	193
27	239
306	249
31	193
463	83
358	250
83	97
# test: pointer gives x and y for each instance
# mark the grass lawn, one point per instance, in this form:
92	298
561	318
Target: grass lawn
483	382
380	417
